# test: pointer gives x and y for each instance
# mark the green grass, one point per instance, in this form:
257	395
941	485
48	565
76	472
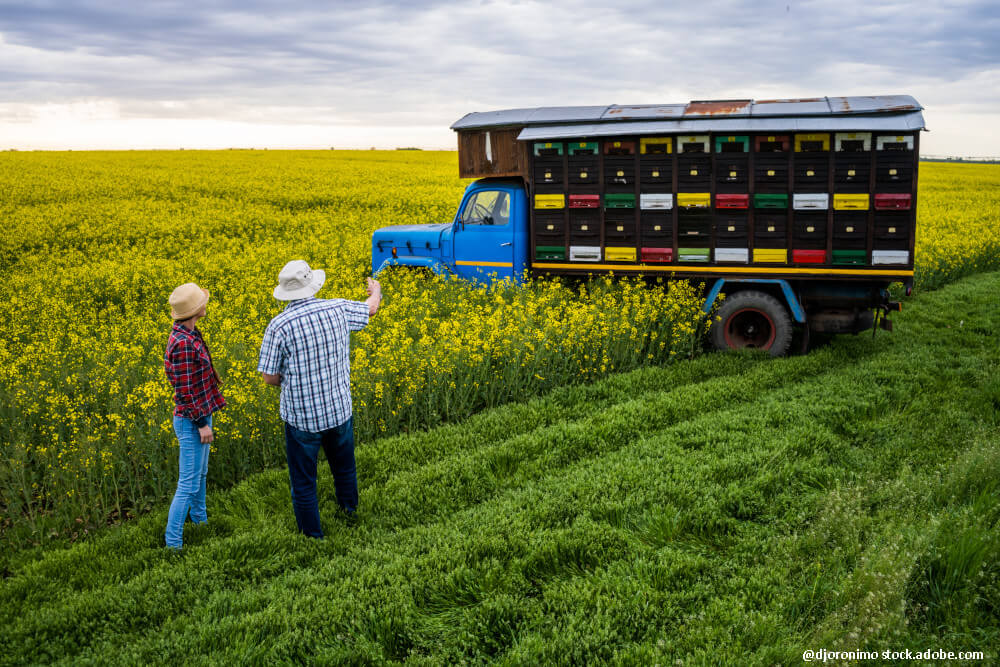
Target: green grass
733	509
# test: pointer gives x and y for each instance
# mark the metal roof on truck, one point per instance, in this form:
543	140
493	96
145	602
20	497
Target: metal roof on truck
896	123
882	112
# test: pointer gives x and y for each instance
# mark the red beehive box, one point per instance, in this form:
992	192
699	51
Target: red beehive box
885	202
732	201
809	256
585	201
658	255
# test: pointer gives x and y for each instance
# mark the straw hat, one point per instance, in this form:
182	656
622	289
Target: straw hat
298	281
187	300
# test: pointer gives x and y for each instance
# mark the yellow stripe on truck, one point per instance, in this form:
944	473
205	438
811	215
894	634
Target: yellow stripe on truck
508	265
683	268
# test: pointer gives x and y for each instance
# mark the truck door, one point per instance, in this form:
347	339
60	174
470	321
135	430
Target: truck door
484	237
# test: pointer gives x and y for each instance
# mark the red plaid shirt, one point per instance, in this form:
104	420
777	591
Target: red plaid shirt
190	371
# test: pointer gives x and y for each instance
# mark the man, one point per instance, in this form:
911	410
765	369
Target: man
306	351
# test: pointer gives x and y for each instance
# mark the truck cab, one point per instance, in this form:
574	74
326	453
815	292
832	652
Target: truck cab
486	240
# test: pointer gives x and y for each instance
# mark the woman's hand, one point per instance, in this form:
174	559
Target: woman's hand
207	437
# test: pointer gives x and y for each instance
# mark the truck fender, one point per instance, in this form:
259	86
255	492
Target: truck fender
792	301
434	265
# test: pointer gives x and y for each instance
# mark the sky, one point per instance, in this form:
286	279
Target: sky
249	73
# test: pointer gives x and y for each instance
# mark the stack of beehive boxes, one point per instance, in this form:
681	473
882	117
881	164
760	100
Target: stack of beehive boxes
807	199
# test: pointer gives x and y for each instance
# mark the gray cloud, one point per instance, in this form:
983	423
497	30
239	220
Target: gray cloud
400	63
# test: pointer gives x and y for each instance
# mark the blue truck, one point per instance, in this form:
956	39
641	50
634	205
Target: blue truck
803	212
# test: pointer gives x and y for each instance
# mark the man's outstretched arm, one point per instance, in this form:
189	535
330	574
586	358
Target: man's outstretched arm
374	296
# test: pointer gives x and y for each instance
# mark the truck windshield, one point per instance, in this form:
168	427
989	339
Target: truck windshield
487	207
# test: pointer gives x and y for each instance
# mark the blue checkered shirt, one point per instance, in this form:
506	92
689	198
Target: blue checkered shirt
308	345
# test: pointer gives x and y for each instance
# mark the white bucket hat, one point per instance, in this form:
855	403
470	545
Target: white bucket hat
298	281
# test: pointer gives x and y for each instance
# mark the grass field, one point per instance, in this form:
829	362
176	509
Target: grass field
732	509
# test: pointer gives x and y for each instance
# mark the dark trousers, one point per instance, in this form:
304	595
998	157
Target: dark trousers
302	449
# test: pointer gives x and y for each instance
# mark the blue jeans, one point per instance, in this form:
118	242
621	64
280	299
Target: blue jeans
302	449
190	494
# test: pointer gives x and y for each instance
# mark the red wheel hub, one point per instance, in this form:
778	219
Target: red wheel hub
749	328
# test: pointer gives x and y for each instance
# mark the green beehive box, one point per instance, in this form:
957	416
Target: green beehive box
853	257
548	148
694	254
733	144
619	201
550	252
770	201
583	148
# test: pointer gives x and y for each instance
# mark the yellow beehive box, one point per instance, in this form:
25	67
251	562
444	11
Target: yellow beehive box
850	202
619	254
550	201
812	138
656	145
770	255
694	199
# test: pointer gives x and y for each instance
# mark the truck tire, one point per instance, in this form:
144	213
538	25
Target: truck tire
755	320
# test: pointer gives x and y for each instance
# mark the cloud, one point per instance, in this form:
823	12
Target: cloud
406	64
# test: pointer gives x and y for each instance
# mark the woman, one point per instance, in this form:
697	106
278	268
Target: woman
196	396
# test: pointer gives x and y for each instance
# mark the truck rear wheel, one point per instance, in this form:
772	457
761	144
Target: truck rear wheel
755	320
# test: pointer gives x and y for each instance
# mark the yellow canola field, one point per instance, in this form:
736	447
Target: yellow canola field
94	243
958	221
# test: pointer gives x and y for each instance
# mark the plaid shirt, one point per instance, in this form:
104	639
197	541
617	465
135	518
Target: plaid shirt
189	368
308	345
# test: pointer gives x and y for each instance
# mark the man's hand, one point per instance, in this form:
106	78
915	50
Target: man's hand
207	437
273	380
374	296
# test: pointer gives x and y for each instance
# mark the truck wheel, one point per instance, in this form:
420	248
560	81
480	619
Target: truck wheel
752	319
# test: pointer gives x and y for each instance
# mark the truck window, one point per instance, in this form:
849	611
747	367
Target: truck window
487	207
